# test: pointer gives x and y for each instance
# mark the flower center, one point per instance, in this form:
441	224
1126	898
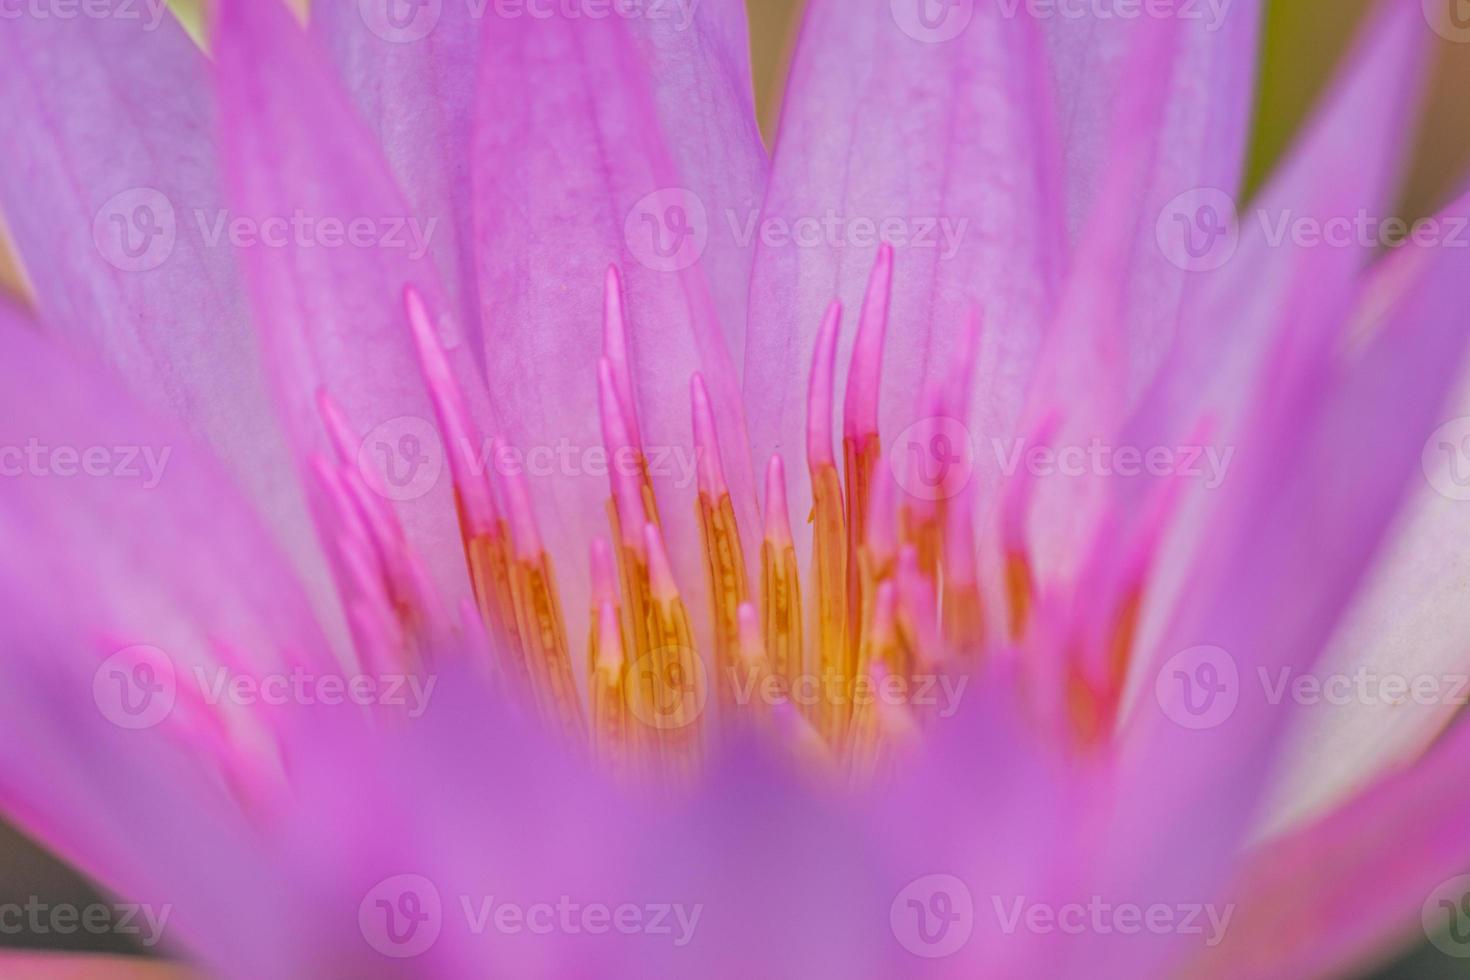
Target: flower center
894	594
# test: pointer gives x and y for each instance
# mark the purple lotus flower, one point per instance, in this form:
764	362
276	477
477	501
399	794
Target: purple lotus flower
432	545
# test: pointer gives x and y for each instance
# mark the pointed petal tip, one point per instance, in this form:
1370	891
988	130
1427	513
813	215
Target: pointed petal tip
778	517
820	392
660	574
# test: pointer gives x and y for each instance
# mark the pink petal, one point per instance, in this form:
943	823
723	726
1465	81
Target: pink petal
328	290
1200	140
881	126
414	85
1210	90
698	54
573	166
118	531
1350	887
1222	359
1308	508
109	117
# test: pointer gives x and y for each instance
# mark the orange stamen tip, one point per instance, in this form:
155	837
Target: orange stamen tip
819	393
706	443
660	574
778	517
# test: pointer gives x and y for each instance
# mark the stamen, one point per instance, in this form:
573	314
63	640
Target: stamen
754	670
879	650
962	608
472	493
918	615
865	376
373	560
523	531
829	538
607	691
615	350
780	584
861	450
861	447
629	511
819	396
1020	582
723	551
710	466
539	618
604	575
676	681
